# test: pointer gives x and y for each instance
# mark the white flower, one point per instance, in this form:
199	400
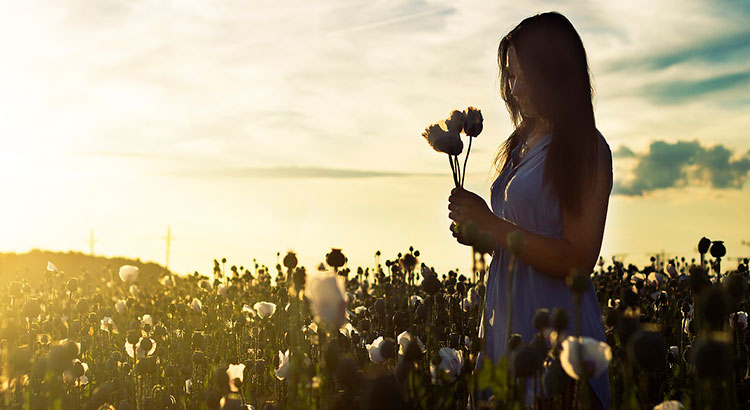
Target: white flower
139	349
247	309
108	325
265	309
327	298
51	267
740	317
222	290
147	320
596	357
188	386
196	305
283	371
403	342
443	140
674	351
348	330
472	121
128	273
455	121
414	300
374	350
120	306
451	362
669	405
360	310
235	371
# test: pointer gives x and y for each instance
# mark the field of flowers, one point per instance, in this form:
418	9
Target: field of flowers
393	335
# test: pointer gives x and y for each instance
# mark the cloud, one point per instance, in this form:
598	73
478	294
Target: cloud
682	163
719	49
675	92
295	172
623	152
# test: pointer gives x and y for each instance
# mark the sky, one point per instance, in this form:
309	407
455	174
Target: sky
256	126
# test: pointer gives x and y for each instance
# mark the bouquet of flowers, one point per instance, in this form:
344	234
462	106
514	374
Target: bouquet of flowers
445	137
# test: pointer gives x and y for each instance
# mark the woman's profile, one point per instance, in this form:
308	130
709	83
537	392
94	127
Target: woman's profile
553	185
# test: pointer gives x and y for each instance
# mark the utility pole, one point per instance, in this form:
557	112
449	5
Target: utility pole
168	238
91	242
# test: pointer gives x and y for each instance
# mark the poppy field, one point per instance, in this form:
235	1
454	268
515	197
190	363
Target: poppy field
395	334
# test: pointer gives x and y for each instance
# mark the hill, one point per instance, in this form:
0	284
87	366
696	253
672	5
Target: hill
32	266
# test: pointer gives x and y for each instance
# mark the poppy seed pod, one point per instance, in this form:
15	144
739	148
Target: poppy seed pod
541	319
698	279
717	249
32	308
346	372
515	342
526	362
409	261
577	281
387	349
736	285
335	258
711	358
133	336
648	349
703	245
431	284
72	285
555	379
380	306
559	319
290	260
714	307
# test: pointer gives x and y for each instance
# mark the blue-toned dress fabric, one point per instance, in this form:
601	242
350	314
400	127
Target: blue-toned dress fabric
519	196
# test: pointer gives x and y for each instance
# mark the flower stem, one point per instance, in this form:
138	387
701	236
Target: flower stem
453	169
465	160
458	170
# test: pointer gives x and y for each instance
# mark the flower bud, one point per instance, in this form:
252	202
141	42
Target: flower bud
703	245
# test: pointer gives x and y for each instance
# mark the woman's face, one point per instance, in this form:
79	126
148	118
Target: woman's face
518	87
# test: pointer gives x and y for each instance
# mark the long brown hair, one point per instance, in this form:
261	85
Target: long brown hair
553	60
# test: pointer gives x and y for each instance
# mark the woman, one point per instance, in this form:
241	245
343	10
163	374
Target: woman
555	177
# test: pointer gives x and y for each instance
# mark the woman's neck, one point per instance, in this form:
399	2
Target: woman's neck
539	130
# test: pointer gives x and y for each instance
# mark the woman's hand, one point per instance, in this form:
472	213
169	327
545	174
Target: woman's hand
465	206
458	234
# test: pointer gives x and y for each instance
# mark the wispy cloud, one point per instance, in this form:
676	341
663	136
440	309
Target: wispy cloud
675	92
668	165
718	49
295	172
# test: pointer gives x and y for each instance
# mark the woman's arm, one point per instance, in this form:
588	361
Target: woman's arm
582	235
